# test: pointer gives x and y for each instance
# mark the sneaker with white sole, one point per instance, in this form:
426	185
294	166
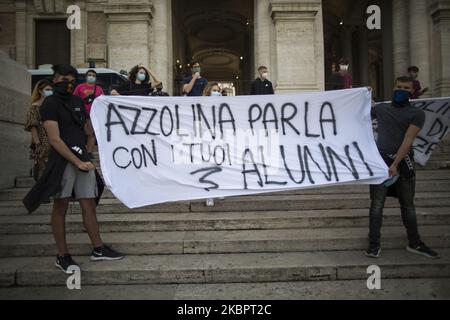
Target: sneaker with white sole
64	262
105	253
423	250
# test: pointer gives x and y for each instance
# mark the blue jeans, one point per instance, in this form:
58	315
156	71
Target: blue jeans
405	188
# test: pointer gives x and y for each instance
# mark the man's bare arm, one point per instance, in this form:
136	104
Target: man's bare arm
404	149
188	87
52	129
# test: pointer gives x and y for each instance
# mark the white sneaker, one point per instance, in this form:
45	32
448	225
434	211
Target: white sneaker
210	202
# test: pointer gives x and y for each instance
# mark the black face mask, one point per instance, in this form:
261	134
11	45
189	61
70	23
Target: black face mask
65	87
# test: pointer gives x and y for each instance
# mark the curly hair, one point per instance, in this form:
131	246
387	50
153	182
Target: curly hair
134	71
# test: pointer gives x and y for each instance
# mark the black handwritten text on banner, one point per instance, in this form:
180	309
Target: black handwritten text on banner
159	149
436	127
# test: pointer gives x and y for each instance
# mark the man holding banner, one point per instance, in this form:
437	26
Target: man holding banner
398	126
69	173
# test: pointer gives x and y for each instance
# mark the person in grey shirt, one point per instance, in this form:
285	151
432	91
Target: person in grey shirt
398	125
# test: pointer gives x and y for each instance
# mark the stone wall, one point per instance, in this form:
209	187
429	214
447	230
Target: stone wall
15	85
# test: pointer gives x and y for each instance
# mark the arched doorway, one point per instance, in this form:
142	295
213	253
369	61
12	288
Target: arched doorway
218	35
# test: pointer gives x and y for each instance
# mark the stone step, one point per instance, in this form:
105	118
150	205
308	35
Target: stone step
110	206
421	185
228	241
410	289
440	155
260	202
436	164
196	221
226	268
308	202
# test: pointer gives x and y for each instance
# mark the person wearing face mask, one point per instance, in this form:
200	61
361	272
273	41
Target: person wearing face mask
341	79
89	90
212	90
261	85
398	125
194	85
39	146
139	83
158	92
69	174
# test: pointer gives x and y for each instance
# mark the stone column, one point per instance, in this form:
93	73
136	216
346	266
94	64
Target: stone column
21	52
419	41
388	50
14	140
161	61
298	45
78	38
128	32
262	27
363	48
400	26
440	13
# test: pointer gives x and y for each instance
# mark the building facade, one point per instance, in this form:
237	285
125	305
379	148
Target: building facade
298	40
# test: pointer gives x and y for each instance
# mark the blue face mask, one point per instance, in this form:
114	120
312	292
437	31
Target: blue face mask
401	96
48	93
215	94
141	76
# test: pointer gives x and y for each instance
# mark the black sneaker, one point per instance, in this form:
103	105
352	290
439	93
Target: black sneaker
373	252
422	249
64	262
105	253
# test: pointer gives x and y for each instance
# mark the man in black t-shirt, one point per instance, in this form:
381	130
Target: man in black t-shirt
68	129
261	85
398	125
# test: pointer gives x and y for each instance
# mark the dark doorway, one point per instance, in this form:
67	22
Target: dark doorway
52	42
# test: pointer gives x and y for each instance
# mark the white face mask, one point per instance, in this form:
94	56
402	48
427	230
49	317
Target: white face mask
47	93
91	79
343	67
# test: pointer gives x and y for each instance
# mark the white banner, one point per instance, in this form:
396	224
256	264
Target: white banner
435	128
159	149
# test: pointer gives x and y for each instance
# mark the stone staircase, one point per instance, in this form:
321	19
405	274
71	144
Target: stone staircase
287	245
